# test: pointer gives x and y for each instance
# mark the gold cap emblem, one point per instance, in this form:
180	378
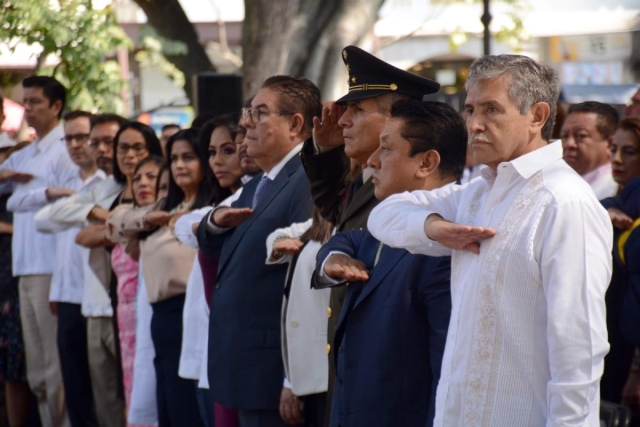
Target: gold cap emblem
353	80
344	54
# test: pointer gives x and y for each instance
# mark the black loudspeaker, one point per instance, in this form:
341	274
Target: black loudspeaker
216	94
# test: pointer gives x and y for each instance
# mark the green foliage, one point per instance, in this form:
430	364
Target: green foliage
83	41
512	33
154	49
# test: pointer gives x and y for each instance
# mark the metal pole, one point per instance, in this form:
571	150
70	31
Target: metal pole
486	20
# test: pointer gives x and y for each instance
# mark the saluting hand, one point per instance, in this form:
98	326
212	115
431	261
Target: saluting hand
327	133
456	236
158	218
340	266
15	176
620	219
286	246
54	193
230	217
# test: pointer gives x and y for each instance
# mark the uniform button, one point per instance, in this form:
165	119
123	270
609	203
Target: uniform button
329	312
341	349
217	286
294	324
328	348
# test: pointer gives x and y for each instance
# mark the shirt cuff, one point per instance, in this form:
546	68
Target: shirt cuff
286	383
211	227
322	276
415	227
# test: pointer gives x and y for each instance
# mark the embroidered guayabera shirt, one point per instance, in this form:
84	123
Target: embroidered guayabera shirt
528	336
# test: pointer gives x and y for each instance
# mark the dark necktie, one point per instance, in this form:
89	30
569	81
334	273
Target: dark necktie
355	186
262	188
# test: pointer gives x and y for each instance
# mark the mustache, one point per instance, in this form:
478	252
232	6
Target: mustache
479	137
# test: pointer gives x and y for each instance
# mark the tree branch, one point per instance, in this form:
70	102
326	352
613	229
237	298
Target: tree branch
170	21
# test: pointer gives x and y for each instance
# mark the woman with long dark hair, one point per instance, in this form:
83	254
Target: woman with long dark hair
166	265
133	142
217	137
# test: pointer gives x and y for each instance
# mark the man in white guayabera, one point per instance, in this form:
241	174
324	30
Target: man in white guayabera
531	261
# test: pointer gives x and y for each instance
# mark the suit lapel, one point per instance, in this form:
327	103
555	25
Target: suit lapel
276	187
244	201
358	200
389	257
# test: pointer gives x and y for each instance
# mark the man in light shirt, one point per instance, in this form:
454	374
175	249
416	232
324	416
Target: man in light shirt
531	262
67	285
76	211
29	173
586	138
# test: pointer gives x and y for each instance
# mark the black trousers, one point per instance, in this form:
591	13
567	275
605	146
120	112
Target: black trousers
314	409
74	364
266	418
177	400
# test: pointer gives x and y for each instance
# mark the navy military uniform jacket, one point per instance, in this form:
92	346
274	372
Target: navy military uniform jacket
245	358
391	334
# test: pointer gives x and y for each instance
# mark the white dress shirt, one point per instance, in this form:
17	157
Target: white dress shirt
72	212
601	181
46	159
67	283
528	333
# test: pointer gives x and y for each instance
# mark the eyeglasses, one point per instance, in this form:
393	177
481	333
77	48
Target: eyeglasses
80	138
97	142
137	149
255	114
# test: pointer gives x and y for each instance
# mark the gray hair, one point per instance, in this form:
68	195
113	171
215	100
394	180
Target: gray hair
387	100
529	82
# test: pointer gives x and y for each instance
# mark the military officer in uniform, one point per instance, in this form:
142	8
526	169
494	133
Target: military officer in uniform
348	133
392	329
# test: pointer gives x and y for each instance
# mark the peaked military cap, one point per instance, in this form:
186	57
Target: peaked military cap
370	76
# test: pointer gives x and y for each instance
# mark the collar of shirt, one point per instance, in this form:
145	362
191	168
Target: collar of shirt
56	134
527	165
246	178
98	176
597	173
273	173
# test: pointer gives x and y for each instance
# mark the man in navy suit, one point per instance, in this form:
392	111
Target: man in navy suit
245	360
392	330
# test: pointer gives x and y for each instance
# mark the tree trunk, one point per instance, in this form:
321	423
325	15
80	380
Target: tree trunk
169	20
303	37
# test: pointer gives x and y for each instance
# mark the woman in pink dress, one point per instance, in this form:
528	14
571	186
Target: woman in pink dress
124	262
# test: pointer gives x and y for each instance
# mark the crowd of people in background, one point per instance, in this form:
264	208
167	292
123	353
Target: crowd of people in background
379	260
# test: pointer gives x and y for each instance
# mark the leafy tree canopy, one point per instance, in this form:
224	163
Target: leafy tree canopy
82	39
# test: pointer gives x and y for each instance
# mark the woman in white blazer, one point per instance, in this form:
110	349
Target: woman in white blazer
304	321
